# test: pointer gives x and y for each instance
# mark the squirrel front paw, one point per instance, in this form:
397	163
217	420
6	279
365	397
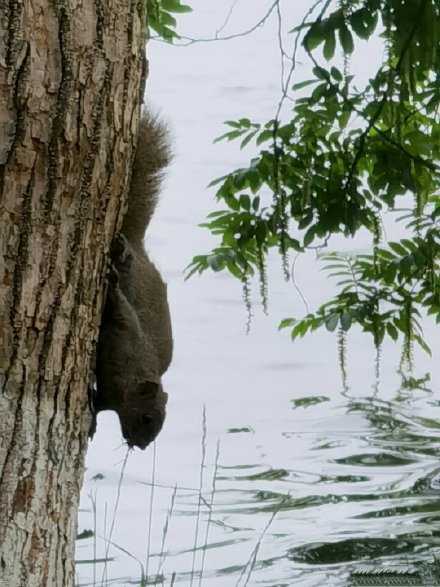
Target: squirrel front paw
120	251
113	275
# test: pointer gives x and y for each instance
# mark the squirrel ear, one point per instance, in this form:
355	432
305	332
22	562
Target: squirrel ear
148	388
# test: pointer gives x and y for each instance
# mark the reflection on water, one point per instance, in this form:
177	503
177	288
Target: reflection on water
310	479
353	497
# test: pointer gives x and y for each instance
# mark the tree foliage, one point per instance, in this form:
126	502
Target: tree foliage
347	154
161	20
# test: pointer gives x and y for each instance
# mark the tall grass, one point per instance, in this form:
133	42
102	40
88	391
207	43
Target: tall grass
112	526
150	517
205	501
199	503
210	510
164	536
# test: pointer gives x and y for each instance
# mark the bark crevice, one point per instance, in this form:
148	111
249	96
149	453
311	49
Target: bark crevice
70	104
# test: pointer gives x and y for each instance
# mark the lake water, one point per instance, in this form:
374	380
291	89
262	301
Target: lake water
309	478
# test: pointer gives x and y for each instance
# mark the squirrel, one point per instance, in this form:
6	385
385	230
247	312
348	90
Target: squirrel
135	340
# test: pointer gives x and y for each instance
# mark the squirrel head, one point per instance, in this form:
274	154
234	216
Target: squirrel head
143	414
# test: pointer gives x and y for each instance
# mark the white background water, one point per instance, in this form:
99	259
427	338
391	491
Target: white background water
277	449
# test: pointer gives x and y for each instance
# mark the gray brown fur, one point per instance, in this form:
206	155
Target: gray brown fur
152	156
135	341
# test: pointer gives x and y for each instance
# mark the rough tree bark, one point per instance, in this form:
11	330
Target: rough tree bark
71	83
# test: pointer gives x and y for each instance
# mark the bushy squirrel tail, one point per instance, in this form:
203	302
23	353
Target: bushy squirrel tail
153	154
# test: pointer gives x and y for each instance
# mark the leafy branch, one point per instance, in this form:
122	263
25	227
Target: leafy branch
161	20
345	156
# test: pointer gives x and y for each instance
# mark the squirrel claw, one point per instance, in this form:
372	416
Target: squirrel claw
113	275
120	249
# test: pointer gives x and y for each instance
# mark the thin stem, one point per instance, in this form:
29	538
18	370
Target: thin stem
199	505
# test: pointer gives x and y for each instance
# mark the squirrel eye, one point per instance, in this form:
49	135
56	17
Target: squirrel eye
147	419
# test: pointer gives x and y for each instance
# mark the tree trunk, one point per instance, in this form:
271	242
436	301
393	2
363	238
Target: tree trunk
71	82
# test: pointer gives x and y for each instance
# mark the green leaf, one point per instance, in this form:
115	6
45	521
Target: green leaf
239	179
216	181
346	40
305	220
167	19
410	245
232	123
332	322
336	74
232	202
296	331
245	122
315	36
343	119
231	135
320	73
175	6
423	345
197	265
392	331
245	202
346	320
234	270
329	46
163	31
264	136
247	139
286	323
358	22
182	8
398	248
261	231
388	255
309	236
406	265
371	18
301	85
254	180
